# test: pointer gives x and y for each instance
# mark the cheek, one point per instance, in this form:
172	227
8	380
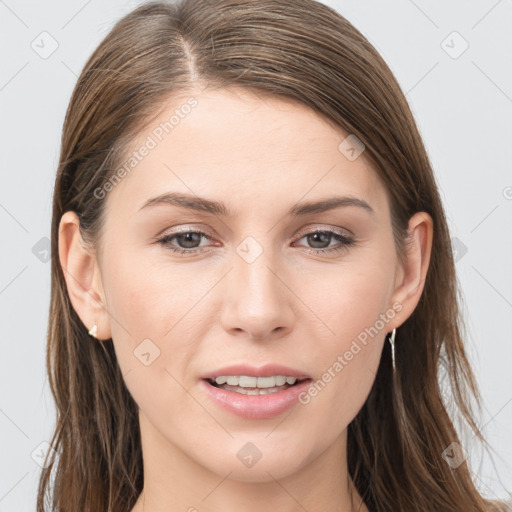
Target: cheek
350	302
352	305
155	320
148	296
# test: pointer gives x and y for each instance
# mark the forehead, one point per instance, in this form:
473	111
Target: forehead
237	146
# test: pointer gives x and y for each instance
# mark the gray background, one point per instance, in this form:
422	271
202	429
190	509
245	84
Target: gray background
462	101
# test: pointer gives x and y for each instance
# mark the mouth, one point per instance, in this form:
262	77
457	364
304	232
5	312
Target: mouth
255	386
255	393
254	397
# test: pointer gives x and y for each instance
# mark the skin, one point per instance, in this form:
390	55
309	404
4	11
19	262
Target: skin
260	156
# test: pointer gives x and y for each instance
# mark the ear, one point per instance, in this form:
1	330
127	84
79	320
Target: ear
410	277
82	275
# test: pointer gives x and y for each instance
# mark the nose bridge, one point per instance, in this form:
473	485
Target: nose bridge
254	279
258	302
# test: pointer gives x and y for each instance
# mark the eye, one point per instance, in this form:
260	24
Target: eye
188	241
321	239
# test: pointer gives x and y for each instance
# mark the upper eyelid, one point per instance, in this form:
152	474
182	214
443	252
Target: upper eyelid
338	231
302	232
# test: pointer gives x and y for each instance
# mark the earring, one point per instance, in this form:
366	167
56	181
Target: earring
392	343
94	331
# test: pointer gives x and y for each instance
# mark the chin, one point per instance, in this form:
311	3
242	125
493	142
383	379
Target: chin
259	458
261	472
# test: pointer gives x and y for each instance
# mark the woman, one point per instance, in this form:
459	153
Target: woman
253	289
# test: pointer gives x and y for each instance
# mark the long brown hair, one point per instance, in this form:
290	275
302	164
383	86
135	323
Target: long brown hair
300	50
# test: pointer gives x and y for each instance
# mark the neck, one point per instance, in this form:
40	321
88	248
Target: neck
173	480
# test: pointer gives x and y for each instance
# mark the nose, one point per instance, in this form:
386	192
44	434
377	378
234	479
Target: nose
257	303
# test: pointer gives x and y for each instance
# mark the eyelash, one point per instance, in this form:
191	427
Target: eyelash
345	240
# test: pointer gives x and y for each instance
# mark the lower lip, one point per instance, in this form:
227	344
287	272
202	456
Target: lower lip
256	407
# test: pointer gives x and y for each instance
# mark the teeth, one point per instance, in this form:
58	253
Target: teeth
244	381
253	391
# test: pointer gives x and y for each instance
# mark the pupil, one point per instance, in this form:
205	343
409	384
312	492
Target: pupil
313	238
188	238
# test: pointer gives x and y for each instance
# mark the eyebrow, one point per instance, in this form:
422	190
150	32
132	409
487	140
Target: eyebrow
202	204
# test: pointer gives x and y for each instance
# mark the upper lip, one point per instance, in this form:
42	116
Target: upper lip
267	370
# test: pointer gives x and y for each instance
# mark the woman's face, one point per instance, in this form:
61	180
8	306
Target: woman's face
250	285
